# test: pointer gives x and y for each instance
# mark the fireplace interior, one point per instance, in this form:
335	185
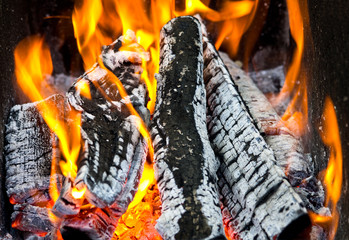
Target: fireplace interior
266	50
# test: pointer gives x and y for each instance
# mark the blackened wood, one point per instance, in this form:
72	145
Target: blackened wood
94	223
66	204
287	148
185	165
114	150
32	219
28	151
256	186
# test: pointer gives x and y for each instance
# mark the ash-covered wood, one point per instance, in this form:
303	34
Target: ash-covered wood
113	150
260	199
95	223
28	152
66	204
185	165
287	148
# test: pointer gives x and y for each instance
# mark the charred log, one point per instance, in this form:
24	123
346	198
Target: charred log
92	223
260	199
28	152
185	165
114	150
287	148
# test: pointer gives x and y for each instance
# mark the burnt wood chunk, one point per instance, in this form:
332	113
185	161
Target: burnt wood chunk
287	148
32	219
260	199
113	148
185	166
94	223
28	152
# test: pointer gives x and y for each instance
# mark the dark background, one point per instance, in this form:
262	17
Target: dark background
327	58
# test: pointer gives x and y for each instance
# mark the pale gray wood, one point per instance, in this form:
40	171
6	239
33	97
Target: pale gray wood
256	192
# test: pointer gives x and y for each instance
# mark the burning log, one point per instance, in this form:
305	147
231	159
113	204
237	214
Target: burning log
256	193
288	149
185	165
28	153
114	149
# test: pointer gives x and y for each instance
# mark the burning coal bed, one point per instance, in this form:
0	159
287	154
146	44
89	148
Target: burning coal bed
220	150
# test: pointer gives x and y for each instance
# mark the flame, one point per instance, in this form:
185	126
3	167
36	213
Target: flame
333	173
78	194
84	88
232	29
295	87
32	64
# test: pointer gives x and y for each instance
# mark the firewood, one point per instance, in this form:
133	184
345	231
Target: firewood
28	152
66	204
34	219
94	223
287	148
185	165
114	150
257	192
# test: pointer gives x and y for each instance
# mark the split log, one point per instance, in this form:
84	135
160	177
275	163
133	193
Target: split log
257	192
114	149
287	148
185	165
28	152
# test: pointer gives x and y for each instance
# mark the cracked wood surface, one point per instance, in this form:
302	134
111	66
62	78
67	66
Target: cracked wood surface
114	150
254	190
287	148
185	165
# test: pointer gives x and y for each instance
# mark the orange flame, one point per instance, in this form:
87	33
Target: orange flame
233	28
32	64
333	173
296	115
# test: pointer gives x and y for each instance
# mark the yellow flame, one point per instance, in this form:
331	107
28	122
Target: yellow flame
32	63
145	181
84	88
78	194
333	173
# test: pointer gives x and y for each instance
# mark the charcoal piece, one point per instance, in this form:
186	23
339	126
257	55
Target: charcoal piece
95	223
185	165
28	152
256	186
66	204
32	219
113	148
288	149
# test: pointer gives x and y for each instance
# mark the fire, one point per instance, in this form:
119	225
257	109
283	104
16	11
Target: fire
333	173
296	115
32	64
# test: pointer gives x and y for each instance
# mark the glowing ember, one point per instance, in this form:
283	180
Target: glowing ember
332	175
